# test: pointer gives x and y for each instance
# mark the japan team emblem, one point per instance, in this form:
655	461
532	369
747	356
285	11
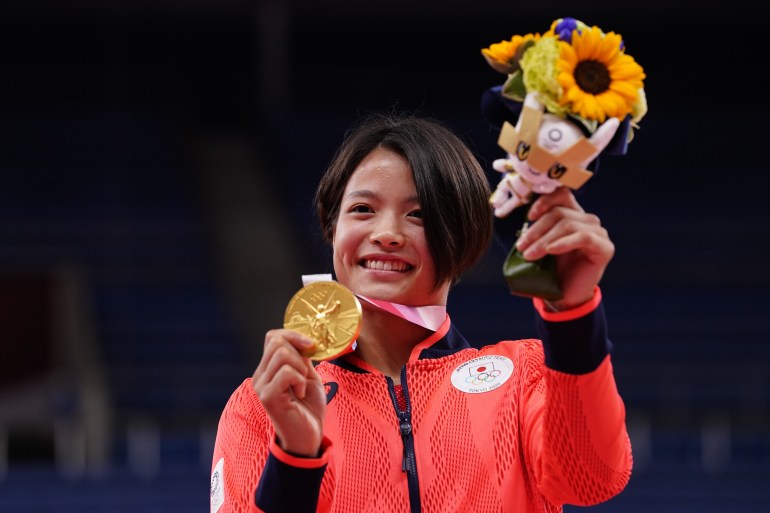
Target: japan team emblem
482	374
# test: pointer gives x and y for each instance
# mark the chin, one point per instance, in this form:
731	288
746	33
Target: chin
385	293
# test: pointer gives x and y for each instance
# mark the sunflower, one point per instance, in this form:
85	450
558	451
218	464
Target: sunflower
504	56
597	78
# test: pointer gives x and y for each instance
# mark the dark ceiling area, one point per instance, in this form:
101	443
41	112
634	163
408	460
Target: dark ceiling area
222	63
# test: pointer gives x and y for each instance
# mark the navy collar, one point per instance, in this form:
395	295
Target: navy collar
449	344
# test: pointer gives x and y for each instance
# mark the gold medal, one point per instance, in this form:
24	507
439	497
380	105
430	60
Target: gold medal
328	313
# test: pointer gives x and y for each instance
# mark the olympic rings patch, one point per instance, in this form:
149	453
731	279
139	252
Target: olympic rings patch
482	374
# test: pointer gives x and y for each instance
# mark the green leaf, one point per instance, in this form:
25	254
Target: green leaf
513	88
590	124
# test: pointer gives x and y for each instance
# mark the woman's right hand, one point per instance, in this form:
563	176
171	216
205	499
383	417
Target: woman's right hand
291	392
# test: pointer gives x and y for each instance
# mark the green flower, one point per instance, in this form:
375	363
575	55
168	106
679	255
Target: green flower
541	73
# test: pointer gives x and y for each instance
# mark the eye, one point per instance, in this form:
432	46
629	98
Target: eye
415	213
360	209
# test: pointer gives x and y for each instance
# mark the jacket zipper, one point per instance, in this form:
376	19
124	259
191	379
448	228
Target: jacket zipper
409	461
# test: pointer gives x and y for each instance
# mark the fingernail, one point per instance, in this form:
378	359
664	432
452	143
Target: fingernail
529	253
521	241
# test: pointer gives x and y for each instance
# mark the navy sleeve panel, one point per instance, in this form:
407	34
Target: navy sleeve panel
286	489
577	346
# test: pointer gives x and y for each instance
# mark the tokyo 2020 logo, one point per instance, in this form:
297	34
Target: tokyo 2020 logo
482	374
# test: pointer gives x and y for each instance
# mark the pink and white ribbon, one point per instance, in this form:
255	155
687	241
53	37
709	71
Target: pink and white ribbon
430	317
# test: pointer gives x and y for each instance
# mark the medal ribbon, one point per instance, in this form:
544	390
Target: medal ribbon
430	317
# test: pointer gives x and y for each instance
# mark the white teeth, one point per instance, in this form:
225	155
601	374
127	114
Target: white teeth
388	265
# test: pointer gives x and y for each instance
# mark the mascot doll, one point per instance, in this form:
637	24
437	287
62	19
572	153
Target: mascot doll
573	94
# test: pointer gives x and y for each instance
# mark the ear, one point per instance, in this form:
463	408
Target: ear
603	135
532	102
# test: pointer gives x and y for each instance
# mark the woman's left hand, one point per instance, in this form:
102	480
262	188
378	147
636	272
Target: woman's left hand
581	245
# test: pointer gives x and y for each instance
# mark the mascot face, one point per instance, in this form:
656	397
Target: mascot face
555	135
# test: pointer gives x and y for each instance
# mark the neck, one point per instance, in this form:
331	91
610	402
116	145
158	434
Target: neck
386	341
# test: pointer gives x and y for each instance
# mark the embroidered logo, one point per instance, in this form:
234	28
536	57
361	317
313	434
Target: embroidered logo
482	374
217	490
331	388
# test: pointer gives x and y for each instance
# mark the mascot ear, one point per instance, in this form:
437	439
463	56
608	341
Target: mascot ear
603	135
532	102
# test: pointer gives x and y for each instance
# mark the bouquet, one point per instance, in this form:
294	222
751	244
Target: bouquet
574	93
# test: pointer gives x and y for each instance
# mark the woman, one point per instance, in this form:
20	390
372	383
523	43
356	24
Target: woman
415	419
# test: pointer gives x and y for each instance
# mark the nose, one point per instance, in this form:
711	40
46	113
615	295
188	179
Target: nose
387	232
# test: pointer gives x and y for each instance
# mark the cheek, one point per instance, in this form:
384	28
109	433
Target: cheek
424	250
343	243
338	260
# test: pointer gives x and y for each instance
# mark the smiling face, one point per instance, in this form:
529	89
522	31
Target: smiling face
380	248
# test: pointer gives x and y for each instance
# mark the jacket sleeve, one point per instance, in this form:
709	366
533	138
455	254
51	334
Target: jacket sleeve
250	473
574	418
290	484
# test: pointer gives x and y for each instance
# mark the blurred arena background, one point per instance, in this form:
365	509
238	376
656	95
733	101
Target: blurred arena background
156	175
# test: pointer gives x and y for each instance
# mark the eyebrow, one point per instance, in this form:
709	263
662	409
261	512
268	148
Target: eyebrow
366	194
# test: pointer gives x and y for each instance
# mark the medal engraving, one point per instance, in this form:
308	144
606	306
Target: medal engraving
328	313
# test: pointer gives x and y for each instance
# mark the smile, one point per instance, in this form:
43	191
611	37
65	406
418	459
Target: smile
386	265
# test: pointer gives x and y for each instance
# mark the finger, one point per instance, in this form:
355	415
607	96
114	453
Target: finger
311	373
562	196
286	384
278	338
595	245
279	353
556	222
302	343
283	362
281	356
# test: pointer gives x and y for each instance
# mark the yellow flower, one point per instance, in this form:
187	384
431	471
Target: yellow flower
598	79
504	56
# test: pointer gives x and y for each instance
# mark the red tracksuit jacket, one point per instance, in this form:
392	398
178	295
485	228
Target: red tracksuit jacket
519	426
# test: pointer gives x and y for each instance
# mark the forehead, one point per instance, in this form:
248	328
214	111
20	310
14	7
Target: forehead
556	129
382	172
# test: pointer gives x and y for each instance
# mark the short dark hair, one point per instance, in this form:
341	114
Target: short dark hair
451	186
